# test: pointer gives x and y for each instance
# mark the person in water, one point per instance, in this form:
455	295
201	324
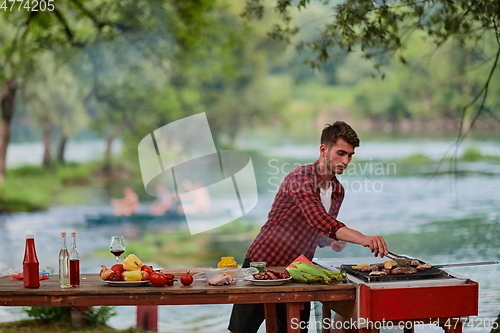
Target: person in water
128	205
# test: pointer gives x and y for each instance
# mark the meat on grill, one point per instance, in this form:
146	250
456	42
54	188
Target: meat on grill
371	268
423	267
391	267
403	270
414	263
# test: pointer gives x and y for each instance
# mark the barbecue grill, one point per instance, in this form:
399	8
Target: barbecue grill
431	273
432	296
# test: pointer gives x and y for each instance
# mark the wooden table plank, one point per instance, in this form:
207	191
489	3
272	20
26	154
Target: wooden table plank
94	292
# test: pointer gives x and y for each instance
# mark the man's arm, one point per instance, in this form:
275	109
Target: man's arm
376	243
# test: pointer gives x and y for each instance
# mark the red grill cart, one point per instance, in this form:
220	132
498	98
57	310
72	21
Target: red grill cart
443	299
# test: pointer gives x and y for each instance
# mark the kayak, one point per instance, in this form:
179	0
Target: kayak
110	219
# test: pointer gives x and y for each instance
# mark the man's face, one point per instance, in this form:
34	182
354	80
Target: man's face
336	157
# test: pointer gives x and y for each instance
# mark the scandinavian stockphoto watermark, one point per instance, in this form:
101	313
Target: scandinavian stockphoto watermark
448	323
361	172
214	187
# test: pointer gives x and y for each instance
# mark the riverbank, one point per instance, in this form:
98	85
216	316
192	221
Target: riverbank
30	188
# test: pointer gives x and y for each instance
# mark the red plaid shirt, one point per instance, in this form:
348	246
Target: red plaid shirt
297	220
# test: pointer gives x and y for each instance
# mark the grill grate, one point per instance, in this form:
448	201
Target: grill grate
431	273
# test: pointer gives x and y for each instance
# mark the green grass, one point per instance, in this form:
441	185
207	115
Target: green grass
31	188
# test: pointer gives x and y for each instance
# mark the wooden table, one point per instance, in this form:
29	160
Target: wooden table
94	292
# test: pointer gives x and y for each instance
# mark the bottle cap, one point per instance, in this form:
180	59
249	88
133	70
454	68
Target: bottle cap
30	236
73	233
63	233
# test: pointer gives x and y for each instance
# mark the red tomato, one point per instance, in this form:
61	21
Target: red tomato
145	276
157	279
115	276
117	268
147	268
187	279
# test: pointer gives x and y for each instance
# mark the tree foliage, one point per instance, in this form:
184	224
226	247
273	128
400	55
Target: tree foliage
381	30
139	65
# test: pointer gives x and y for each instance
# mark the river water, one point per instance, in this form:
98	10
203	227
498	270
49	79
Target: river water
440	219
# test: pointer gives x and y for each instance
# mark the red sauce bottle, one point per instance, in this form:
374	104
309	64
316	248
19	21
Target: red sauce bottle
31	265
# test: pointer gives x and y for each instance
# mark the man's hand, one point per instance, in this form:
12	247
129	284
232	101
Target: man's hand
376	244
337	245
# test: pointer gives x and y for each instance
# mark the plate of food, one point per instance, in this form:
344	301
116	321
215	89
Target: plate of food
126	283
275	282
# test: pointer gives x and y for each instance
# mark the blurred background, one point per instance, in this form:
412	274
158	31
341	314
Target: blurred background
81	89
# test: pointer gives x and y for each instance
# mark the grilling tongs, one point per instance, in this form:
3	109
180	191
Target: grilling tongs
406	262
401	260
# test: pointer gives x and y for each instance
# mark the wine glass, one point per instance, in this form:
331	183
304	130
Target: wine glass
117	246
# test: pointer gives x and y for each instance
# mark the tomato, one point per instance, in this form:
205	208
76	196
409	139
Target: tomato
170	279
187	279
117	268
147	268
115	276
145	276
157	279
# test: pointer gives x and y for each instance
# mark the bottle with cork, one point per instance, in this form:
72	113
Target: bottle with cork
63	263
31	266
74	263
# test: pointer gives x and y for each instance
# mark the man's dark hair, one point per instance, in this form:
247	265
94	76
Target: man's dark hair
339	129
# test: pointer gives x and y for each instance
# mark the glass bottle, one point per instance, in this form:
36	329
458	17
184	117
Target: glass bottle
74	262
31	265
63	263
227	262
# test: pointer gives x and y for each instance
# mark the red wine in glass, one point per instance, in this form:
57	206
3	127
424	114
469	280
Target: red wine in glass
117	246
117	253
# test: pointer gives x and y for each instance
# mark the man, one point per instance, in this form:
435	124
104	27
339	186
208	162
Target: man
302	215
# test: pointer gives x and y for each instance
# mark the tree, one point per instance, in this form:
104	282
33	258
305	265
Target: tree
54	99
172	34
26	34
380	31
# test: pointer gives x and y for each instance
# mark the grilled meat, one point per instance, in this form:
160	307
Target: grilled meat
423	267
403	270
415	263
370	268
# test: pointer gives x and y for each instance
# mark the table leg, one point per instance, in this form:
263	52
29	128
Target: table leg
326	314
78	316
293	317
271	320
147	317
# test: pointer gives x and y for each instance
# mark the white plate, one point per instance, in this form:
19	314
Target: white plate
126	283
267	282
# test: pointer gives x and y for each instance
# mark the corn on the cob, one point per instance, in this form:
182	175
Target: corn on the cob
307	273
